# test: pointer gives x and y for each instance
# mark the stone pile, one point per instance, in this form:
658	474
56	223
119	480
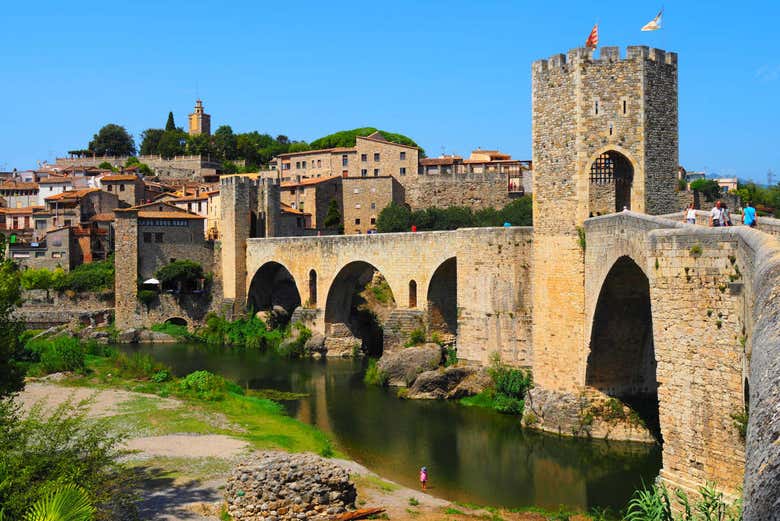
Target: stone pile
277	486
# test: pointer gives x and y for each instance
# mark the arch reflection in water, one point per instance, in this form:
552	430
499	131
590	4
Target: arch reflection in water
473	455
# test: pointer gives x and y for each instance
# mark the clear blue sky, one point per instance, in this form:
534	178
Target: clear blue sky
451	74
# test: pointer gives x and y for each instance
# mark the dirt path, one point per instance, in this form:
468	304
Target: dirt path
182	474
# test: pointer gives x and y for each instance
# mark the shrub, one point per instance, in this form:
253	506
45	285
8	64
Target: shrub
45	451
508	404
451	356
176	330
295	348
208	386
655	503
93	276
147	296
696	250
509	381
36	279
59	354
250	332
374	375
416	337
161	376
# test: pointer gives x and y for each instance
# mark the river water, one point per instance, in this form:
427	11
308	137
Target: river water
473	455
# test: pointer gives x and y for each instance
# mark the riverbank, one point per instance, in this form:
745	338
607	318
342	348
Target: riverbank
186	447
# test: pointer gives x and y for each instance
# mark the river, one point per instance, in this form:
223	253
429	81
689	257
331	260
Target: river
473	455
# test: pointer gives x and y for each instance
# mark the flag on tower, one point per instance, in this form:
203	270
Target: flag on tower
655	23
593	38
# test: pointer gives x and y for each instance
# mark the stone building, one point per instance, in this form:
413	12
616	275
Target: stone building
372	156
199	121
313	196
53	185
364	198
77	206
605	138
18	194
129	188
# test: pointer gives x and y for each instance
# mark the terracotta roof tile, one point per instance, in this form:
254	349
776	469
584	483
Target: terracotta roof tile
18	185
119	177
102	217
72	194
286	208
168	215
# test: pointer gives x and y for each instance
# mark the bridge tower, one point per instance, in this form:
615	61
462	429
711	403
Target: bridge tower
605	138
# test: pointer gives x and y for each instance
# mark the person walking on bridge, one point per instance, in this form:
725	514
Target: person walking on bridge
749	216
716	215
690	214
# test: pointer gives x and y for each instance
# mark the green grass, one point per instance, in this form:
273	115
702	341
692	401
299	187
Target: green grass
375	482
201	469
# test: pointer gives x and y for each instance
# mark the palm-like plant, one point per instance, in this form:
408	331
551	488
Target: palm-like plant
68	503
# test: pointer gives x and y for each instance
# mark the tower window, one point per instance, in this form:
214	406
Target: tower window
596	107
625	106
611	128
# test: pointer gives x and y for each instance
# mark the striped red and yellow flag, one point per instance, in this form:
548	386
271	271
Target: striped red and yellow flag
593	38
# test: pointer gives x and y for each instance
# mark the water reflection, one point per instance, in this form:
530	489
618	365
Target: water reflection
473	455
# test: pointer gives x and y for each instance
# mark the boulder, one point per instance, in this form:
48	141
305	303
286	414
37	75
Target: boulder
316	344
340	342
474	383
283	486
439	383
128	336
402	367
155	337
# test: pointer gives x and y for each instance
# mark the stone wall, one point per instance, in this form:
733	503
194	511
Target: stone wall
477	191
364	198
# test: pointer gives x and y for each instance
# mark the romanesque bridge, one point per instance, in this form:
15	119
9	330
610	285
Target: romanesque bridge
678	316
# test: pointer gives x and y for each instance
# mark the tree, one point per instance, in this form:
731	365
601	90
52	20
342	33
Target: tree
282	139
298	146
150	141
348	138
224	144
180	272
708	187
170	124
333	217
519	212
112	140
172	143
11	349
68	503
394	218
199	144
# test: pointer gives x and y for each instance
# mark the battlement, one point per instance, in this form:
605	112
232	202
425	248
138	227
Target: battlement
248	181
606	55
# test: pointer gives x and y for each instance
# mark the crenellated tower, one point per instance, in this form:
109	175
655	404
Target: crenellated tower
605	138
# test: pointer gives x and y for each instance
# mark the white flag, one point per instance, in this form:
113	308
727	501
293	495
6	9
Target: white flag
655	23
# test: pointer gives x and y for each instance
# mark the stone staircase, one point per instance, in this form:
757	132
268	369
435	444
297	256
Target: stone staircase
398	326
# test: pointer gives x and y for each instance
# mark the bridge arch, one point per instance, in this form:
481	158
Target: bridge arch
611	172
344	306
442	297
273	285
621	361
177	321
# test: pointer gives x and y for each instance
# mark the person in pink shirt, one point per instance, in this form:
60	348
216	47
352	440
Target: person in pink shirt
423	477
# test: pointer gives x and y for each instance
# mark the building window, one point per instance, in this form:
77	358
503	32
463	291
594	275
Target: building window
357	221
363	172
625	106
110	188
344	160
319	163
364	157
412	294
298	165
67	222
376	172
373	206
373	220
376	156
189	207
403	170
40	254
121	188
312	288
158	237
303	164
147	237
357	206
356	191
596	107
403	156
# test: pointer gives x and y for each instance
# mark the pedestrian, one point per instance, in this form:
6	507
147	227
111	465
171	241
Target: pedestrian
749	216
423	477
414	227
507	224
690	215
716	215
725	215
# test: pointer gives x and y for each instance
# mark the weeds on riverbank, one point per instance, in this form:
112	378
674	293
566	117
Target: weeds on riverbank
655	503
374	375
507	392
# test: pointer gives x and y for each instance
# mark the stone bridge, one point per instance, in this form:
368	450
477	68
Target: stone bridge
679	319
473	282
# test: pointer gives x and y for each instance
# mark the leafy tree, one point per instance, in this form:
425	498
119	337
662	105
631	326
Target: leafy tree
199	144
184	272
150	141
282	139
105	165
112	140
708	187
333	217
92	276
11	349
394	218
348	138
170	124
132	161
298	146
225	146
36	279
172	143
519	212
